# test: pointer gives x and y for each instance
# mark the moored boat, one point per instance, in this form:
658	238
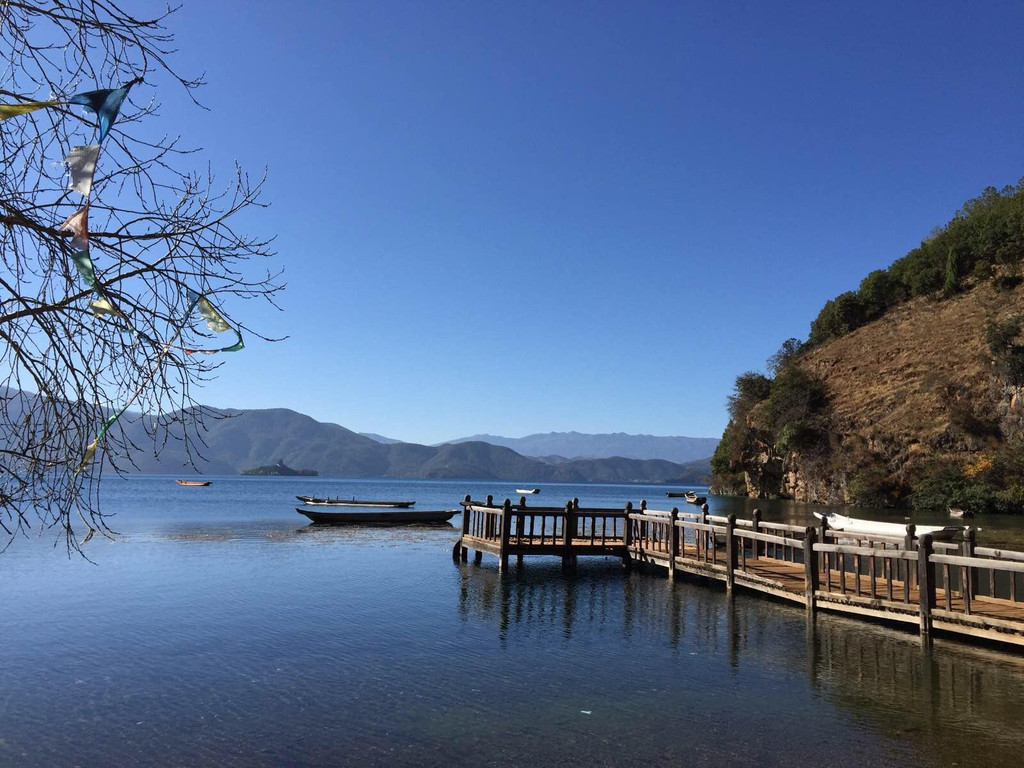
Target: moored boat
194	483
959	514
526	491
315	501
354	516
693	498
853	525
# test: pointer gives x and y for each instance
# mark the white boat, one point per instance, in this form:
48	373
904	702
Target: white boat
523	491
855	525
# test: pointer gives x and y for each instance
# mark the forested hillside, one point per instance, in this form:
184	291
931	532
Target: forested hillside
908	391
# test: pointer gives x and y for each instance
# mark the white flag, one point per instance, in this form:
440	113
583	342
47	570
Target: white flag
82	162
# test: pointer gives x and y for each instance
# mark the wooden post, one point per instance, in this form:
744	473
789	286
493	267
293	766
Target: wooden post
520	528
705	534
908	545
811	571
506	530
823	538
673	542
730	553
568	529
925	582
627	536
970	575
463	549
756	528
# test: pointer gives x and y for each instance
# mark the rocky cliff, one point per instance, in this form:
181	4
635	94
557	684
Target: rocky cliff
918	393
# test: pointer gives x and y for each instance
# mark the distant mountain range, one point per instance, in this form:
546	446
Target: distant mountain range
553	446
238	441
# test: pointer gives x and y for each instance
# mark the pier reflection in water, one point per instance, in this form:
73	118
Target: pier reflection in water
946	704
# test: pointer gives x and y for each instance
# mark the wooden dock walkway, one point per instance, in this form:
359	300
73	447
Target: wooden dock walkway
951	587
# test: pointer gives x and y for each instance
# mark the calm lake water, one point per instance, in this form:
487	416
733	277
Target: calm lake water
220	628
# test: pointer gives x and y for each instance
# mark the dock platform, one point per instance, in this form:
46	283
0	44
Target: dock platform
957	588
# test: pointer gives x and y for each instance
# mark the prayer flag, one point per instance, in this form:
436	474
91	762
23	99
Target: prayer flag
102	306
214	321
106	103
13	110
84	264
82	162
78	225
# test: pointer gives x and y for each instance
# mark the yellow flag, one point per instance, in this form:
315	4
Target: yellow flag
13	110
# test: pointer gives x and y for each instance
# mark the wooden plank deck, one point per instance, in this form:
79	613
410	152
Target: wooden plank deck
727	553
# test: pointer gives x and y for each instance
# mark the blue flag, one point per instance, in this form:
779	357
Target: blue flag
106	103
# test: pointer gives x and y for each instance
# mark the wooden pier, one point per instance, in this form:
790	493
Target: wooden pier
952	587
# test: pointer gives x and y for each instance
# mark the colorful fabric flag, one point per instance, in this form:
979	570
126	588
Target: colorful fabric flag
13	110
78	225
102	306
90	450
84	264
215	322
106	103
82	162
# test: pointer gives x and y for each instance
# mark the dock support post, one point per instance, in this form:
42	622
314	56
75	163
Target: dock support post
755	526
730	553
706	535
811	570
826	563
463	549
908	545
520	527
627	536
925	583
969	577
568	531
506	530
673	542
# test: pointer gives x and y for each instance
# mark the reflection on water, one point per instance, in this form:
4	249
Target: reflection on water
949	704
221	629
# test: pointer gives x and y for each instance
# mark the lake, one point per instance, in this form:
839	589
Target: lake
220	628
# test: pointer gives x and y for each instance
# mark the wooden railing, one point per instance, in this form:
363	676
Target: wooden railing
910	578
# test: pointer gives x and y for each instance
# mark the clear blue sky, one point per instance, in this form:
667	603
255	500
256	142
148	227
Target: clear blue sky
524	217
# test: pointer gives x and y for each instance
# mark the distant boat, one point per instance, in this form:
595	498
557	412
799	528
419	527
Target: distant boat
960	513
196	483
854	525
350	517
688	496
318	502
527	491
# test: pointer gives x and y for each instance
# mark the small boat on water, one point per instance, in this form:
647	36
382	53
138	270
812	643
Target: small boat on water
527	491
194	483
960	514
354	516
853	525
315	501
688	496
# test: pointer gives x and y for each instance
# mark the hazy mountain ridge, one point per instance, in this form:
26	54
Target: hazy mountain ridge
237	440
551	447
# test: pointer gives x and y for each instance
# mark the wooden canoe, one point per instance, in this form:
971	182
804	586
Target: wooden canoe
195	483
403	517
314	501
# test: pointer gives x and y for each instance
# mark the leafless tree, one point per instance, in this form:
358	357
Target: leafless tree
158	230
